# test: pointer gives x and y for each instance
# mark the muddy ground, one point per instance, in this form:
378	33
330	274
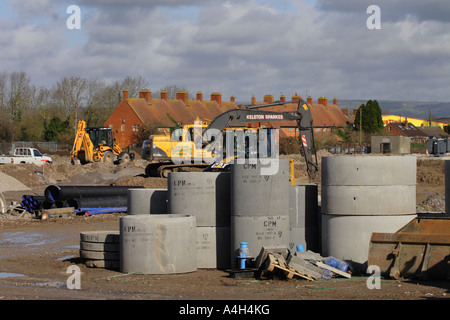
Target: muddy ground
35	254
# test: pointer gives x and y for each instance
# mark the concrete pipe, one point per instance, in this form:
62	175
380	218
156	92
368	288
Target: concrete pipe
100	236
213	247
369	170
100	249
147	201
257	194
369	200
304	216
347	237
258	231
205	195
158	244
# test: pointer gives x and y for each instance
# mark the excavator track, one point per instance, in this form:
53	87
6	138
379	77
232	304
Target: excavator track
161	170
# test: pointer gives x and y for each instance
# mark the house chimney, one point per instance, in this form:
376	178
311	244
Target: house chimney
146	94
268	98
232	99
125	94
309	100
253	101
345	111
183	96
335	101
282	98
164	95
216	96
200	96
296	97
322	100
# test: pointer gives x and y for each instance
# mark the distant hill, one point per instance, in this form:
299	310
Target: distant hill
413	109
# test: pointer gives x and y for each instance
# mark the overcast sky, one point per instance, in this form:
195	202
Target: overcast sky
238	47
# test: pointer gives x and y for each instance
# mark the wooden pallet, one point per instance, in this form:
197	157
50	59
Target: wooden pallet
277	262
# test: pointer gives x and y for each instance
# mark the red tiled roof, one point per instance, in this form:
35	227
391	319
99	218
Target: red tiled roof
157	111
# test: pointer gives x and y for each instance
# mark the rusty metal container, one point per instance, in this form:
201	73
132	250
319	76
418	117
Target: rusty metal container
419	249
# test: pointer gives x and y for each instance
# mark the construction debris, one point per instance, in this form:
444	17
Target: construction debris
72	200
280	263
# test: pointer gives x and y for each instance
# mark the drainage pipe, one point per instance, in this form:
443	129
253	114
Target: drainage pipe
119	201
92	211
54	192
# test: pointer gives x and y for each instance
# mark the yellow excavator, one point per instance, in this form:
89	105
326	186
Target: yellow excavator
96	144
166	152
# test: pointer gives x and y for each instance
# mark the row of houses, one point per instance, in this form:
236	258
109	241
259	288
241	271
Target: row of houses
134	113
416	134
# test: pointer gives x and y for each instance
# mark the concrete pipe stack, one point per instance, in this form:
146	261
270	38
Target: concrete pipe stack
361	195
100	249
259	206
304	217
147	201
205	195
157	244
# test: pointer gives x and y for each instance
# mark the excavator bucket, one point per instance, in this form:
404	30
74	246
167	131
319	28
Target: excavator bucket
421	249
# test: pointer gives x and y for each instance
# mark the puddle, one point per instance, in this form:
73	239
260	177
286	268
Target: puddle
75	246
53	284
26	238
4	275
66	258
30	239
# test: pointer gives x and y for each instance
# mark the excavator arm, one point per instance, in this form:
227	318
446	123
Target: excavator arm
252	113
82	139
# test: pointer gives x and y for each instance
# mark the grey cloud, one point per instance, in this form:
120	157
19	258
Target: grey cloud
433	10
244	47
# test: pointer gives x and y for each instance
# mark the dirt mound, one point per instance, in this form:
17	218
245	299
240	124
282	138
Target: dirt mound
431	171
8	183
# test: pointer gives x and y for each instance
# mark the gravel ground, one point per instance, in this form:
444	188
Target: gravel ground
35	255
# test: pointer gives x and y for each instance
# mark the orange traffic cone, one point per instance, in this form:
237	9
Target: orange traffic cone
426	153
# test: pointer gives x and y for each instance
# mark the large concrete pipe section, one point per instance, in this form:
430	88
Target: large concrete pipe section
205	195
147	201
158	244
362	195
259	206
304	217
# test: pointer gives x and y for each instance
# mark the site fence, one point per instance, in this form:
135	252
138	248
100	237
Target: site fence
8	148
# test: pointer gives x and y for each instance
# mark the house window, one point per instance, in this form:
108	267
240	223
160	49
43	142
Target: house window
122	128
135	128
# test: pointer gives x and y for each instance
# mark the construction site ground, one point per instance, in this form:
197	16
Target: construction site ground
35	255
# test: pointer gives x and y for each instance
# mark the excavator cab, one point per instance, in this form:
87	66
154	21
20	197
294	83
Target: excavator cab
101	136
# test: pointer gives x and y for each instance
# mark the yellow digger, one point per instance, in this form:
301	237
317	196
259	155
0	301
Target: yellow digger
185	146
96	144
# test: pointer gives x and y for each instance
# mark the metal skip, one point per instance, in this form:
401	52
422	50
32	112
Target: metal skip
419	249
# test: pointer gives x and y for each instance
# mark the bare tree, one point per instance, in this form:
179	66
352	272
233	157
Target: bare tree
132	84
172	92
101	102
20	94
70	92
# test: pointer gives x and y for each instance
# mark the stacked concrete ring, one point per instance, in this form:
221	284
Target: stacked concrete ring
100	249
